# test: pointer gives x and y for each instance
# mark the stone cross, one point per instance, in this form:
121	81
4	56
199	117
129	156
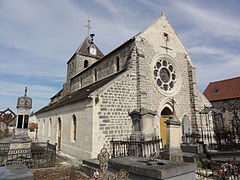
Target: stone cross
88	26
103	158
173	105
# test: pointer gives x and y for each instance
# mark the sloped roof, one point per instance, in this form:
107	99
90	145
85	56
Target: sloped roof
79	94
84	49
33	126
225	89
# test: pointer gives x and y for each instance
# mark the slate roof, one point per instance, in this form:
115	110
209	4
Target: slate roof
84	49
79	94
58	94
221	90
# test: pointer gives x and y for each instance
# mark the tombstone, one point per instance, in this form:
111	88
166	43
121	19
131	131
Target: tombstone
186	128
139	168
15	172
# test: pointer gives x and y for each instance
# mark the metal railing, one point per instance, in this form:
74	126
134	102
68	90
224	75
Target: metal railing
134	147
40	154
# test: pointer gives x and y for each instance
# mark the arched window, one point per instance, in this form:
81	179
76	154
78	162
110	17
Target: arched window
50	128
86	63
69	68
81	85
95	75
59	133
74	128
73	67
117	64
43	127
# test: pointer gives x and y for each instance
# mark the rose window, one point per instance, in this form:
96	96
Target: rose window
164	75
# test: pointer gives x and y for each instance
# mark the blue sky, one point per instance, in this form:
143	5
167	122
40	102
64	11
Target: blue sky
37	38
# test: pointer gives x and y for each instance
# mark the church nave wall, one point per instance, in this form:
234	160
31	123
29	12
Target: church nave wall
82	147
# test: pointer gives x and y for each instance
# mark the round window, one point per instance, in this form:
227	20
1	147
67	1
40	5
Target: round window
164	74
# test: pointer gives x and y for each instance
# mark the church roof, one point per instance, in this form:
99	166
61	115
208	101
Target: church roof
221	90
84	49
79	94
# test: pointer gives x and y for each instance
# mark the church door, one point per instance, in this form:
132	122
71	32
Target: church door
163	129
166	112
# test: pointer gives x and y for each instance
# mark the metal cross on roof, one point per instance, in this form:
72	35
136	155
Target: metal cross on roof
88	26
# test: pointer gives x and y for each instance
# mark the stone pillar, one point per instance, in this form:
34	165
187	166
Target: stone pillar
143	123
148	129
173	133
174	139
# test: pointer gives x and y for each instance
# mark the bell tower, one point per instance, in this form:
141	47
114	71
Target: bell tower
24	104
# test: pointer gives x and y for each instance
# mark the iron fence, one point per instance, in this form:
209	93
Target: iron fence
41	154
134	147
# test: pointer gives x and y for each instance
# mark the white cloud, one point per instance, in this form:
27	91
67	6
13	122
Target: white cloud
218	23
225	64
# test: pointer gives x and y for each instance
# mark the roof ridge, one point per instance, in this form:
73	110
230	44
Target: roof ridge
226	79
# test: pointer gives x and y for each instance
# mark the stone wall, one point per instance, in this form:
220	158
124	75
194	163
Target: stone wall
115	101
149	45
82	147
98	71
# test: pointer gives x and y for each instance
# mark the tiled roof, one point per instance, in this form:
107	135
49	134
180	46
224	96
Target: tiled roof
7	116
79	94
33	126
225	89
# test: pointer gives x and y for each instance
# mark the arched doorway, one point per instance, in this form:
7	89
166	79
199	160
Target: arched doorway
59	133
166	112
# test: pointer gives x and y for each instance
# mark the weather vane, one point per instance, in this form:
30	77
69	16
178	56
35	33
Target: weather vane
88	26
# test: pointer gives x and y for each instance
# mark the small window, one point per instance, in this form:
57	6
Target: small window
26	118
43	127
215	91
165	36
86	63
95	75
74	128
81	82
20	121
50	128
117	64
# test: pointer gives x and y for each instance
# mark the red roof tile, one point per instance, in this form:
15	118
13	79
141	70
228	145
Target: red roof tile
225	89
33	126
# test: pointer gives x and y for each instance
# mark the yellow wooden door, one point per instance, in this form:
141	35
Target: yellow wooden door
163	129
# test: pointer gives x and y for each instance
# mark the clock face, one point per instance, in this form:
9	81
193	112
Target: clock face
29	102
22	102
93	51
165	75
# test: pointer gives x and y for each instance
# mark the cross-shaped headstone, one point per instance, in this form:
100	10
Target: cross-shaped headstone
104	174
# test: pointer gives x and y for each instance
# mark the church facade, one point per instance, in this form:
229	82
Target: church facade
132	91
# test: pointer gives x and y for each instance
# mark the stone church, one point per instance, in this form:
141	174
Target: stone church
145	87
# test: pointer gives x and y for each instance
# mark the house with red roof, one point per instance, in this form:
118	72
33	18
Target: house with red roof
225	96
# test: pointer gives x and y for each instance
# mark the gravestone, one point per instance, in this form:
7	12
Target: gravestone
15	172
146	169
